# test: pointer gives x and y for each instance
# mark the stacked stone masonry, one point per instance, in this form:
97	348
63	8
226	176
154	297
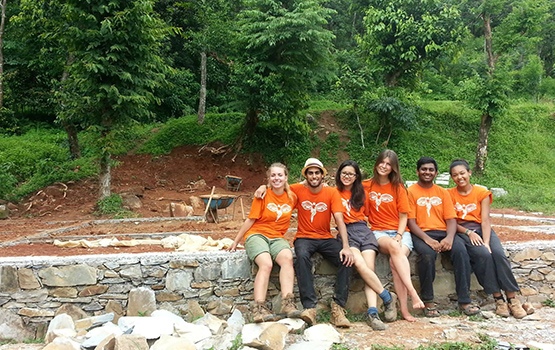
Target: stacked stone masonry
37	288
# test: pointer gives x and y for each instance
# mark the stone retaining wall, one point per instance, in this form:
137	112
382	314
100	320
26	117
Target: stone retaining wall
34	288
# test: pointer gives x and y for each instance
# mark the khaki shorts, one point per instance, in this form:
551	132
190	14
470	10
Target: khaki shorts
258	243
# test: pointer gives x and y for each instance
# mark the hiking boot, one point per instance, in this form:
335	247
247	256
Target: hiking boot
338	318
390	309
261	313
373	320
501	308
288	306
309	316
528	308
516	308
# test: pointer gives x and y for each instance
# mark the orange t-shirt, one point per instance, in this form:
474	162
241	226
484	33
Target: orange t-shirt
315	210
430	207
271	214
469	207
385	204
350	214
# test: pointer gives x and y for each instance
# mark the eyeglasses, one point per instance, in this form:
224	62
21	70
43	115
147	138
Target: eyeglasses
348	174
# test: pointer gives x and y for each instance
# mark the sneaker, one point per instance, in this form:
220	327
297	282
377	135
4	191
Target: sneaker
338	318
516	308
261	313
501	308
309	316
390	309
288	306
375	323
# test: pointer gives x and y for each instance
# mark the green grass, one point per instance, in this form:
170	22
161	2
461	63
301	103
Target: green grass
113	206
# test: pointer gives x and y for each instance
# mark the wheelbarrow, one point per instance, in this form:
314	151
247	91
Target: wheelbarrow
216	201
233	182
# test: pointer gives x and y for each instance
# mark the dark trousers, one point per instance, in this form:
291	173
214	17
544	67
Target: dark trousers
426	264
493	271
329	249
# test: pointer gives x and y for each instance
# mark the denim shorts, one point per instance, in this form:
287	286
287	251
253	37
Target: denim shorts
361	237
406	240
258	243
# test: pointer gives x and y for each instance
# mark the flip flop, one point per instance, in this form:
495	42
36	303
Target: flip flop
470	309
431	312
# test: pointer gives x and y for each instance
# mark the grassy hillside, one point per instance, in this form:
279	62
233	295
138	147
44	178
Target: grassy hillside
521	147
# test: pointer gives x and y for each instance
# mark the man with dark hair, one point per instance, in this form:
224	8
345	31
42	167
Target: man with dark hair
432	222
316	205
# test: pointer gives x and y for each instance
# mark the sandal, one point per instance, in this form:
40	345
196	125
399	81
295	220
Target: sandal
470	309
431	311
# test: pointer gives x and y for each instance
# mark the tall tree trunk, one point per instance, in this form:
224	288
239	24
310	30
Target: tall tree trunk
2	26
488	43
71	130
73	140
482	150
251	120
105	176
486	120
202	97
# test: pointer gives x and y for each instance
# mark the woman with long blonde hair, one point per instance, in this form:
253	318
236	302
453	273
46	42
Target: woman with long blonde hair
264	231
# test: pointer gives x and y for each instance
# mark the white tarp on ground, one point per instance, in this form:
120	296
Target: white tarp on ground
184	243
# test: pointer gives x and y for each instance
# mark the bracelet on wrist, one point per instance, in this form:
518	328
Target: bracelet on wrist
467	232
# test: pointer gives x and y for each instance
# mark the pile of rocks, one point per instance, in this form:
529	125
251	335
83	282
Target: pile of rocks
163	330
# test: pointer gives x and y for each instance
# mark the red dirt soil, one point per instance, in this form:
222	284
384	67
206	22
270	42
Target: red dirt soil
158	181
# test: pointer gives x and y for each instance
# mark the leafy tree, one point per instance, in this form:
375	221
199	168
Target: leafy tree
3	4
116	66
39	29
401	36
529	78
286	49
200	52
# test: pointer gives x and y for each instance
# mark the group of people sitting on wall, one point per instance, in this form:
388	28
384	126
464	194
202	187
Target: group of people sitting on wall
376	215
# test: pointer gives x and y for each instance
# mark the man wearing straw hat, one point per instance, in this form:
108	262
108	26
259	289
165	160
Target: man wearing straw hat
316	204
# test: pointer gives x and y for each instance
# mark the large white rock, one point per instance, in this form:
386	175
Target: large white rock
195	333
322	332
149	327
96	335
215	324
61	325
167	342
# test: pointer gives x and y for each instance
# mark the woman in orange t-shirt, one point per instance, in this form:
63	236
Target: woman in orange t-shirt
263	230
387	215
472	204
362	242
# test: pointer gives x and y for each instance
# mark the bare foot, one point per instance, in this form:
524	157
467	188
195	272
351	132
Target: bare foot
408	317
417	302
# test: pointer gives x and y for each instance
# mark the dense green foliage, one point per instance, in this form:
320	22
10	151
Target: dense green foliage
100	70
521	160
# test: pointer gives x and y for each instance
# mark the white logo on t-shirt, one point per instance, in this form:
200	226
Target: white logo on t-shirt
428	202
465	208
379	198
314	207
279	209
347	206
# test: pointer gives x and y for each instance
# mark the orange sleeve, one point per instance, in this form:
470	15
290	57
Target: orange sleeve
469	207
